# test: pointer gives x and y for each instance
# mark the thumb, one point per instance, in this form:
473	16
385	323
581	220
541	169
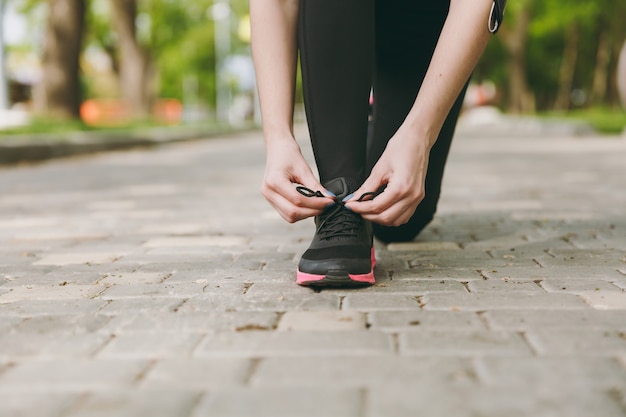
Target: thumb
372	186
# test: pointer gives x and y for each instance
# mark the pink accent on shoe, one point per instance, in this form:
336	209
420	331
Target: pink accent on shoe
303	277
369	278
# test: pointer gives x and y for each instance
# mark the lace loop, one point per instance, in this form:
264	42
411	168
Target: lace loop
307	192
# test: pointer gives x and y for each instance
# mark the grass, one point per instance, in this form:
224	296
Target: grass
604	120
56	128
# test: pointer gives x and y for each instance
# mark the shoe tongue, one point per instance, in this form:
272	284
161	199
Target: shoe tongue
340	187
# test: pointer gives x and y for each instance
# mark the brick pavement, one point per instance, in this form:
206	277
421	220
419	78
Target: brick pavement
159	283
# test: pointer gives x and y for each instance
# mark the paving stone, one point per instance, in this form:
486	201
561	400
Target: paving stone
577	257
133	278
60	325
524	320
553	272
198	374
322	321
461	343
39	292
71	375
301	343
150	345
138	305
369	302
423	246
405	320
578	286
587	342
350	371
282	402
42	346
202	241
263	302
192	322
503	301
605	300
503	285
469	401
33	404
157	403
551	373
166	290
62	259
31	308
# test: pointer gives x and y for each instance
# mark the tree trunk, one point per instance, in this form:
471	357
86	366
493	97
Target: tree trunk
59	94
521	99
134	65
621	75
568	68
601	70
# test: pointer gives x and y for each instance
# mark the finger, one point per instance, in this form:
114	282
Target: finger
377	205
289	211
395	215
372	184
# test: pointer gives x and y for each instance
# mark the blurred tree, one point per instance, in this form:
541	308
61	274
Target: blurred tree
59	92
135	69
514	35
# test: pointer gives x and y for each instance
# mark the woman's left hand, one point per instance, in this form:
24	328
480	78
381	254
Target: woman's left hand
402	169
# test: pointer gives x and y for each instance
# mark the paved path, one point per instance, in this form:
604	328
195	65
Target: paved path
159	283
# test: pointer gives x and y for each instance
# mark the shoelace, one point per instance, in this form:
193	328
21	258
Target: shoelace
338	221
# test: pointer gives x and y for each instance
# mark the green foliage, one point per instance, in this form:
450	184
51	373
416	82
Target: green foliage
551	24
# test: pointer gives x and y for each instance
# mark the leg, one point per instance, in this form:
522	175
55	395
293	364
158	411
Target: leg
336	41
406	35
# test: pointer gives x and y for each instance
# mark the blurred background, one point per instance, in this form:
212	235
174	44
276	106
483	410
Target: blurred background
94	64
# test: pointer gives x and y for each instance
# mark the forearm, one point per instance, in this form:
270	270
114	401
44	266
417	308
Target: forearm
461	43
274	51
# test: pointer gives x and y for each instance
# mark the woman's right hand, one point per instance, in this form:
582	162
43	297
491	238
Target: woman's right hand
285	166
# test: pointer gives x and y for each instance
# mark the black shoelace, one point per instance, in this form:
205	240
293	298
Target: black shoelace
338	221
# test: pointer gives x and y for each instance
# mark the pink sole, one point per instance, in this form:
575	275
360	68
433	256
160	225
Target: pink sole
303	278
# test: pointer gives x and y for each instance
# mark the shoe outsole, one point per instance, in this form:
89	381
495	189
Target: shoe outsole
338	278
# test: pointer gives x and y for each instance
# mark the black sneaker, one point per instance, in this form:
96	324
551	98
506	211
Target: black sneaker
342	253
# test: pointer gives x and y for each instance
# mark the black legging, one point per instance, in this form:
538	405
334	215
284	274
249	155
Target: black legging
348	47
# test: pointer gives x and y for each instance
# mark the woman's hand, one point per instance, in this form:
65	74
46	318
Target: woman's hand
285	167
402	168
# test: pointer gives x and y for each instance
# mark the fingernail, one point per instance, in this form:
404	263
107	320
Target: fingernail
329	193
348	197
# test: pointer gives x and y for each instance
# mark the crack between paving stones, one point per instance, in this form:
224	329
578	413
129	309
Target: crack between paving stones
279	317
395	343
538	282
482	274
482	316
251	371
142	374
80	400
532	345
421	301
112	337
619	396
194	404
166	277
246	287
182	303
363	402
